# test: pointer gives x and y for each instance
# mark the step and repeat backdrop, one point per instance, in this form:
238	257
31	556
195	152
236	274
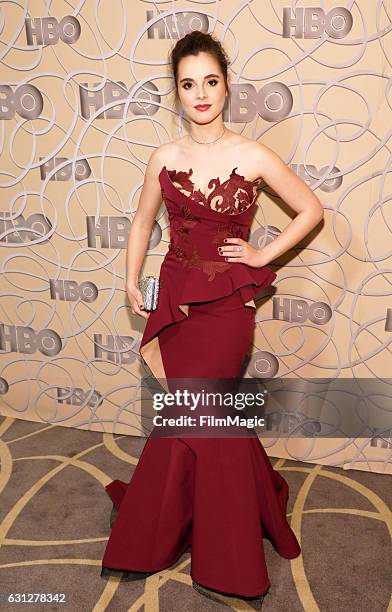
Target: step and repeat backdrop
86	96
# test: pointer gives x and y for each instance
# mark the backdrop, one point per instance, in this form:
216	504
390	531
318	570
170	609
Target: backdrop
86	96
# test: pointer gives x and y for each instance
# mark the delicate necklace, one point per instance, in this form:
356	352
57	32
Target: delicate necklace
212	141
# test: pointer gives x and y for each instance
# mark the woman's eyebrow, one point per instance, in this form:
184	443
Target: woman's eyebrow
206	77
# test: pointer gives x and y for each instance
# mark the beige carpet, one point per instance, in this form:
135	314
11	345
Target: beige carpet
54	517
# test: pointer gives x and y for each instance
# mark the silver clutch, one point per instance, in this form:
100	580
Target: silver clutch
149	287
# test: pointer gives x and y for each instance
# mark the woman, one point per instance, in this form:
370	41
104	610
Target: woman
219	496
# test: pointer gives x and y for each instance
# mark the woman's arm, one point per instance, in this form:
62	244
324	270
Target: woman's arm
141	227
295	192
297	195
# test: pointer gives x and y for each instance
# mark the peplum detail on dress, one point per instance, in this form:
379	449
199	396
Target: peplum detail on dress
177	291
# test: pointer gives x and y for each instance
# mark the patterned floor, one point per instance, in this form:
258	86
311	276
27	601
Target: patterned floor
54	517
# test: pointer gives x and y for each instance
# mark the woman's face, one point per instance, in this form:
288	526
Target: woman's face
200	81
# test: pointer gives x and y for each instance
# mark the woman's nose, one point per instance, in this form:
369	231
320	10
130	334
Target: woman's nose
200	93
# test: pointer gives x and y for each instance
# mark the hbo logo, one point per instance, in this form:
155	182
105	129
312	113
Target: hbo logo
24	339
20	230
312	22
82	169
299	311
71	291
48	31
78	397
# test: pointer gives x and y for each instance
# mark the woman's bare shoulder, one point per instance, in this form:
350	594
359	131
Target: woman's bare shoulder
244	144
165	153
250	150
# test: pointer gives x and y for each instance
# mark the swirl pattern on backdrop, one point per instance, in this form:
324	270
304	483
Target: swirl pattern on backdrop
86	97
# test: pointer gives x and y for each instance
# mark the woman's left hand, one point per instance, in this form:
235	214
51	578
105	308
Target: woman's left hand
245	254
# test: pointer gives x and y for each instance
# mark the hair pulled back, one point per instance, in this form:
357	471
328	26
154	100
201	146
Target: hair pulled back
192	44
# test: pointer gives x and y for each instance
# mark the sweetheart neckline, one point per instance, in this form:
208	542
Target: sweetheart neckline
164	168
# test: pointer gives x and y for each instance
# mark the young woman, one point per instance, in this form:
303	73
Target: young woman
217	496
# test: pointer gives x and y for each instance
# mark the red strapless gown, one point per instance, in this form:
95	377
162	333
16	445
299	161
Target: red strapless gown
220	496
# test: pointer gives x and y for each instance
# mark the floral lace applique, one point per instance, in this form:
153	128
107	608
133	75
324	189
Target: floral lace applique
183	224
181	227
192	259
208	266
177	251
233	196
180	234
228	230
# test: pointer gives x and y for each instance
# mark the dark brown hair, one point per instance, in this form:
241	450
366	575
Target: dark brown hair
192	44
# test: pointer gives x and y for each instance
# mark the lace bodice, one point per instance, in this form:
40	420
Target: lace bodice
232	196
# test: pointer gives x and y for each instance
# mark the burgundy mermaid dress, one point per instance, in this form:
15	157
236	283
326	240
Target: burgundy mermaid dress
220	496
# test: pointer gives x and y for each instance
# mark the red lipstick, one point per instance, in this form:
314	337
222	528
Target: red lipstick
202	107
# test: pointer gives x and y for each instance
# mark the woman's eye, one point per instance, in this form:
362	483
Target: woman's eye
210	81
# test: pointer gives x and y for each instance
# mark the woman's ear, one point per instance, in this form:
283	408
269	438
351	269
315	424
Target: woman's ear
228	85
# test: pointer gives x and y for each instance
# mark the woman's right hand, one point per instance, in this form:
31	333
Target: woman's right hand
136	300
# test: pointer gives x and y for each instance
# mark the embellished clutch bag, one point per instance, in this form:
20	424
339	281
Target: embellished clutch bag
149	287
